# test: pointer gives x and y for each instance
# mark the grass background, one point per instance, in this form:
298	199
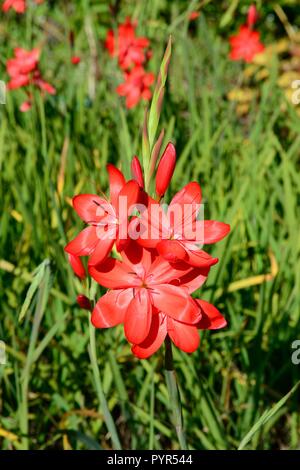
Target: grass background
64	385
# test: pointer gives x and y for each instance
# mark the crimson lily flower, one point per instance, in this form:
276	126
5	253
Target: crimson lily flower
136	86
245	45
183	335
143	284
177	234
104	218
126	45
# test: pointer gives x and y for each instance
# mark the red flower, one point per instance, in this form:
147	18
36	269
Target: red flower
142	285
105	219
21	65
23	70
136	86
18	5
185	336
177	235
245	45
129	49
165	170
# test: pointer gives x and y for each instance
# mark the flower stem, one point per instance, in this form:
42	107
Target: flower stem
174	394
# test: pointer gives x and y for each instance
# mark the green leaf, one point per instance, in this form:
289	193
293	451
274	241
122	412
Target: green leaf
268	414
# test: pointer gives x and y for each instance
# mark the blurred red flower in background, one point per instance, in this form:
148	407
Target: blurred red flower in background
23	71
132	55
136	86
125	45
246	43
18	5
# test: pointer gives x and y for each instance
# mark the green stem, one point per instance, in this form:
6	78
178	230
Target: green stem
108	419
174	394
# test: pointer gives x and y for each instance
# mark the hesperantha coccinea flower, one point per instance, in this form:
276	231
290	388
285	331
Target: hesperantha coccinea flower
151	297
147	254
106	219
23	70
246	44
158	263
133	54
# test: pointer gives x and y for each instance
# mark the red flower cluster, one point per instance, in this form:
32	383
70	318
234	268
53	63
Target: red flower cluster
246	44
18	5
23	71
132	53
157	260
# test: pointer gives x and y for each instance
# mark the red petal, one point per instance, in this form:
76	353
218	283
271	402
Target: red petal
191	193
84	243
171	250
137	258
111	308
200	259
211	231
101	251
114	275
194	279
127	198
155	338
185	337
175	302
138	317
77	266
211	319
116	183
90	207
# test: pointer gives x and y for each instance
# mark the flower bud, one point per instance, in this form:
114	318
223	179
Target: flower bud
75	59
84	302
137	172
252	16
165	169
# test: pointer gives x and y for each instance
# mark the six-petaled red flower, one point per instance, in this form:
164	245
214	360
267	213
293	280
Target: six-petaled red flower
105	219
